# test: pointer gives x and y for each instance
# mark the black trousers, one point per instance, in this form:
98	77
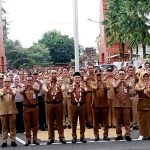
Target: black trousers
19	117
42	117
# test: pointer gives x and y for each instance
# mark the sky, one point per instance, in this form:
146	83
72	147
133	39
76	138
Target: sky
30	19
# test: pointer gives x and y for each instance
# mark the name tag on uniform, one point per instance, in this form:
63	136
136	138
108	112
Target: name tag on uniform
125	90
34	96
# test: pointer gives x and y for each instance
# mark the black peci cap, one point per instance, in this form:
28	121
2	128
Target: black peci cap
76	74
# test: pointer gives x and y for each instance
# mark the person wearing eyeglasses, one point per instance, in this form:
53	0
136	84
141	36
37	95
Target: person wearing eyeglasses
122	105
8	112
143	107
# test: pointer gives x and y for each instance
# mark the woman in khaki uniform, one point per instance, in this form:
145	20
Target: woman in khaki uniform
143	107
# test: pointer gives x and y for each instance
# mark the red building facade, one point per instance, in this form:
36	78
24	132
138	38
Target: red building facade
2	49
108	55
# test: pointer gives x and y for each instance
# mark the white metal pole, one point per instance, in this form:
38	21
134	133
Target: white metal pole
76	37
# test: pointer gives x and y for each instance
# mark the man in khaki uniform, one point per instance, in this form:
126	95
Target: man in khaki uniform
122	105
90	79
109	78
66	82
131	77
77	107
100	105
8	112
30	110
54	107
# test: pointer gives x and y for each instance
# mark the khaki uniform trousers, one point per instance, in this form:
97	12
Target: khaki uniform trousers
135	120
111	117
66	104
78	111
96	116
144	122
54	112
31	119
89	116
8	121
125	113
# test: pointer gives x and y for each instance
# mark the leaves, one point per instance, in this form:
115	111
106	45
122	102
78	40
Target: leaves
61	47
127	21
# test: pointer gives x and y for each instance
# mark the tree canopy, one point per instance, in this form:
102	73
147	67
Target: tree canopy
127	21
61	47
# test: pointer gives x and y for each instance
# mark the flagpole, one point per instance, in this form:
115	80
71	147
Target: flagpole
76	37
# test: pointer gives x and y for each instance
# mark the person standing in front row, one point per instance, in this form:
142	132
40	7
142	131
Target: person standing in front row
143	107
100	105
30	110
78	107
54	107
122	105
8	112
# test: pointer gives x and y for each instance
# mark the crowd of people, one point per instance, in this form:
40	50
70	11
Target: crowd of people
54	99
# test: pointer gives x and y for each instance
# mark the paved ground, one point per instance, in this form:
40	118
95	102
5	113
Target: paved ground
136	144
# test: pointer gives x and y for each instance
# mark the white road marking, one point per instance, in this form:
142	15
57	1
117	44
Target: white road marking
69	142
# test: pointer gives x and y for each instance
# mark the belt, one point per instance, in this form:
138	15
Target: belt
89	92
132	95
140	98
54	102
30	106
78	104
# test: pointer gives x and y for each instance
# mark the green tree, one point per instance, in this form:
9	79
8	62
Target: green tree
39	53
127	22
61	47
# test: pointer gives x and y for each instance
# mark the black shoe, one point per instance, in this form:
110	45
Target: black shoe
144	138
74	140
36	142
64	127
13	144
89	126
136	128
148	138
119	138
83	140
96	139
106	138
27	143
69	126
50	142
55	128
63	141
128	138
4	145
42	128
